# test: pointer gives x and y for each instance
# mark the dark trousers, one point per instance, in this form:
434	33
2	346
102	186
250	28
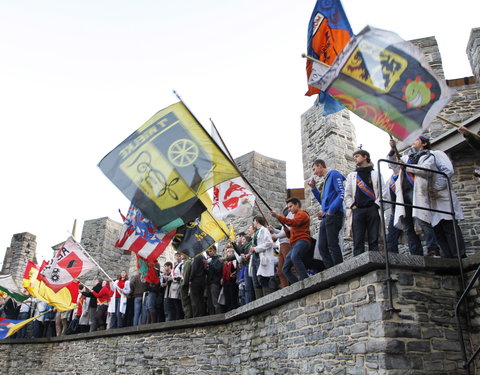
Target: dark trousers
197	291
159	306
230	291
414	242
37	329
186	303
365	220
393	236
445	233
213	293
328	241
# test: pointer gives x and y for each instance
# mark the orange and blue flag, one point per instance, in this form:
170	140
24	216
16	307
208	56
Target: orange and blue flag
328	33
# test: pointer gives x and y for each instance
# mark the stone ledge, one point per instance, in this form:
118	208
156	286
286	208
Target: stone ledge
356	266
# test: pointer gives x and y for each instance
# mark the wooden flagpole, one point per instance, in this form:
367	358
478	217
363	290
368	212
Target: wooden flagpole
438	116
91	258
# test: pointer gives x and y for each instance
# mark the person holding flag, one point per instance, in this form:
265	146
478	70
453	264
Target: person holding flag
362	201
412	188
299	239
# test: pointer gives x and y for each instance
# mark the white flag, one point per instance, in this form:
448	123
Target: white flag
68	264
232	198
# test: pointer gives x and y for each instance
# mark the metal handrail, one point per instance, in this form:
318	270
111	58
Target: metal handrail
389	279
457	309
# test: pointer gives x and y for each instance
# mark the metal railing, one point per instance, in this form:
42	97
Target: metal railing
389	280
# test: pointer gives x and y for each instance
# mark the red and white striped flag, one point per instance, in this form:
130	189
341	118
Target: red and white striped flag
143	237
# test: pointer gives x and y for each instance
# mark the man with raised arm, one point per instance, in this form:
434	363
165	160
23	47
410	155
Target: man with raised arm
331	216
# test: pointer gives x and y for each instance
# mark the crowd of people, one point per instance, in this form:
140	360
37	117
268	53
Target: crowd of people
267	258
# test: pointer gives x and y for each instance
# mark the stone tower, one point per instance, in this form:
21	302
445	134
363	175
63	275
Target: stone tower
21	250
98	239
268	177
473	52
331	138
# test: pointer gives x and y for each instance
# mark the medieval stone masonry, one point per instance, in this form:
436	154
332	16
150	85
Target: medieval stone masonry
345	320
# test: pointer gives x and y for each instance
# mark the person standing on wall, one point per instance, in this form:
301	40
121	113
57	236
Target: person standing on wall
363	201
331	217
299	239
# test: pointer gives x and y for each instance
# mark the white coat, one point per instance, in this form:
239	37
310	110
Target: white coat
421	196
264	249
439	195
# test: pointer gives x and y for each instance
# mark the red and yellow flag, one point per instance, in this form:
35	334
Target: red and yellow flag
63	300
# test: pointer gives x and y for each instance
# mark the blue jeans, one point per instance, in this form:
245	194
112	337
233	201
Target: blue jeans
295	259
169	307
249	296
151	302
393	236
139	311
116	320
255	259
328	241
23	332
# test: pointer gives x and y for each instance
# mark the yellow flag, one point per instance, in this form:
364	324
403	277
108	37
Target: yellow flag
166	164
63	300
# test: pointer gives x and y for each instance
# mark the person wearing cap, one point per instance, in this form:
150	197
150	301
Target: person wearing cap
362	201
412	188
331	217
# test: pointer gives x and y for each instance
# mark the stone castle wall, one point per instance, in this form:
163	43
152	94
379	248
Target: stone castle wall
468	192
268	176
98	239
22	249
336	322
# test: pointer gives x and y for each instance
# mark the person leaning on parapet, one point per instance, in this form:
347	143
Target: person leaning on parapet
331	219
412	188
362	201
299	239
281	235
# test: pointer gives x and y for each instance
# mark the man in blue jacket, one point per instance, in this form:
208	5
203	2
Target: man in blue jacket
331	219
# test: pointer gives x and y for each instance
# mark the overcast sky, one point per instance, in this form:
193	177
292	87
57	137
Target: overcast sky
78	77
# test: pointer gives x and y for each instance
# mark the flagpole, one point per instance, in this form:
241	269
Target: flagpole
93	260
241	174
438	116
305	56
457	125
223	152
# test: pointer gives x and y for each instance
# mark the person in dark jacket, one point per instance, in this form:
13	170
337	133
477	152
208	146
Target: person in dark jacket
92	307
197	286
214	275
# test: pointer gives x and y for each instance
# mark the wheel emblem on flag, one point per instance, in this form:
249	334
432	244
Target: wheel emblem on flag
182	152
